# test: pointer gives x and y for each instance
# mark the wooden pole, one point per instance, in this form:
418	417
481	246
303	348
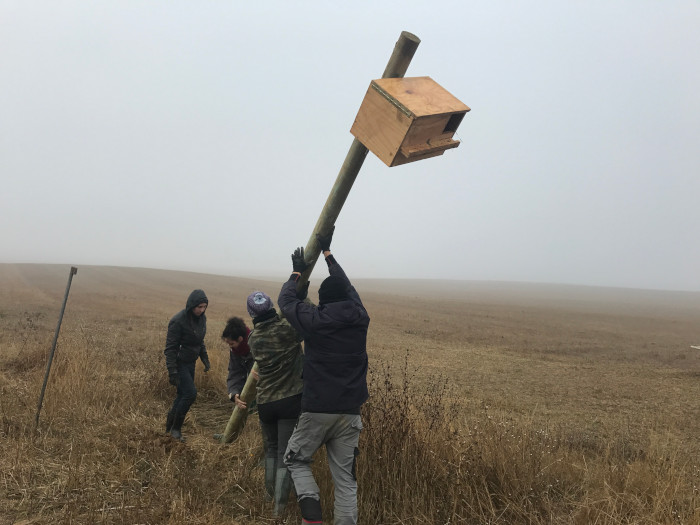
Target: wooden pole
404	50
398	63
73	271
238	417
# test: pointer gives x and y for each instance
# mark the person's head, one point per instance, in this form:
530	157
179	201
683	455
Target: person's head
258	303
235	332
333	289
198	310
197	303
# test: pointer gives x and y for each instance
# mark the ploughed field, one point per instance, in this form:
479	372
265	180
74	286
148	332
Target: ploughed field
490	402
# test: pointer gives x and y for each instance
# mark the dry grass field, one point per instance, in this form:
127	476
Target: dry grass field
490	403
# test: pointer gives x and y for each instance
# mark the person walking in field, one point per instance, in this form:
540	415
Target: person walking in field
240	361
276	347
184	344
335	386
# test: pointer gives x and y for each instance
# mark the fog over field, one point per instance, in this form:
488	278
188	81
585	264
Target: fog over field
206	136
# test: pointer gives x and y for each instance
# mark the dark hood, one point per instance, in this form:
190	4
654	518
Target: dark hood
195	298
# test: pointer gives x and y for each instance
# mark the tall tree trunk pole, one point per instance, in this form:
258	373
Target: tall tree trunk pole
404	50
73	271
403	53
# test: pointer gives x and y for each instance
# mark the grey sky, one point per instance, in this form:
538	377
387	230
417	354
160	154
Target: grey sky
206	136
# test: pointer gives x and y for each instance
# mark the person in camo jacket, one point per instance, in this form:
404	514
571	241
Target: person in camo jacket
184	344
276	347
335	386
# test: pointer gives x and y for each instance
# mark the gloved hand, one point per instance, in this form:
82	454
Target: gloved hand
303	292
325	240
207	365
298	262
174	379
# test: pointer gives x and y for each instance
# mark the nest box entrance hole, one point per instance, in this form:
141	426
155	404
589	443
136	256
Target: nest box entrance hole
454	122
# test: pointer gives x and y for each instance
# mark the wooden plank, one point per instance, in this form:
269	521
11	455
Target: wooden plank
380	126
422	95
418	150
402	159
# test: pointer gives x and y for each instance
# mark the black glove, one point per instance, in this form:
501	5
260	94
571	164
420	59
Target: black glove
298	262
325	240
174	379
303	291
207	365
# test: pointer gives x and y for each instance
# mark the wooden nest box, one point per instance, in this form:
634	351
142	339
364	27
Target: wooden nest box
407	119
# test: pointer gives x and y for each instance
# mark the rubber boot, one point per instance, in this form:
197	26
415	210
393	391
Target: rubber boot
169	421
270	470
283	485
176	430
310	511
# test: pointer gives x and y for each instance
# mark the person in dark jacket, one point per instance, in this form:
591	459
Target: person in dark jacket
240	361
276	346
335	386
184	344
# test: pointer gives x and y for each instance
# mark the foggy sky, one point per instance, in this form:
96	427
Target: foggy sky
206	136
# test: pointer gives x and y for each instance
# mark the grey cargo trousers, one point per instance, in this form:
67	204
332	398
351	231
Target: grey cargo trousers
340	433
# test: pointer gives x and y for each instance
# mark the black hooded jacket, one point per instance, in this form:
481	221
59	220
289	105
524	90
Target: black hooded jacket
335	347
185	340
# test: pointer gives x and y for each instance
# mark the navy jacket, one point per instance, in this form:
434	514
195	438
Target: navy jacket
335	347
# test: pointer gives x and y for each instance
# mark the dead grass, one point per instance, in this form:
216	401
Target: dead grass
485	408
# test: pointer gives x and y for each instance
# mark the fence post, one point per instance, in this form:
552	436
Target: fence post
73	271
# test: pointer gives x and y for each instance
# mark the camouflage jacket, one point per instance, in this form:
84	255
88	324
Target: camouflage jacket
276	347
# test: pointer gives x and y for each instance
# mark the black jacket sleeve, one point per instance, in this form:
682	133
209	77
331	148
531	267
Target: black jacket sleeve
203	348
172	344
300	314
335	269
237	374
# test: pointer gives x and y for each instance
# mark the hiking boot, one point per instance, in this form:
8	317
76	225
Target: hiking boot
310	509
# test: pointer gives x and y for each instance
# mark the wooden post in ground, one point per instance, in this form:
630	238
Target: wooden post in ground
403	53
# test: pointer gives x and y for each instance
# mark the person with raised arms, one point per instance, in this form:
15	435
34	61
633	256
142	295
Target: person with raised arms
335	386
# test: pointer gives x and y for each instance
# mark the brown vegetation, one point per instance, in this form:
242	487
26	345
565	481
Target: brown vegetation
490	403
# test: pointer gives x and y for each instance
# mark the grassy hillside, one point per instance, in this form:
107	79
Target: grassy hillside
490	403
